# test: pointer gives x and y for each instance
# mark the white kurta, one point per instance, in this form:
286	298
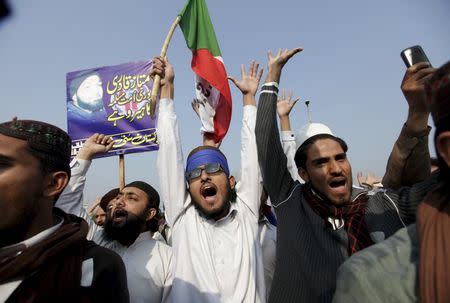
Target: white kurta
148	262
214	261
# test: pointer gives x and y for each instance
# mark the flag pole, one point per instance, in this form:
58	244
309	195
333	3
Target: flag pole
308	110
157	79
121	171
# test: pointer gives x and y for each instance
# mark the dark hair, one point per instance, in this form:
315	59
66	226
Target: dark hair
152	202
49	144
108	197
302	151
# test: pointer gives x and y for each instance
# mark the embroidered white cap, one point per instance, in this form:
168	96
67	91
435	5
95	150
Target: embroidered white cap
310	130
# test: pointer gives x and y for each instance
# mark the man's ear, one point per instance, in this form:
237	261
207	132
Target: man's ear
443	146
303	174
232	182
55	183
151	214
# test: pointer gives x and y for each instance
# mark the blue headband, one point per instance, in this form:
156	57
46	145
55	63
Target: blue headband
206	156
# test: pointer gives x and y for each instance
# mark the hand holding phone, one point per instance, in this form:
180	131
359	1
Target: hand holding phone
413	55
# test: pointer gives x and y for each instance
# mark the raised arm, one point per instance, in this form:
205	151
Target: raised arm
409	161
407	198
249	186
170	157
285	105
71	199
273	163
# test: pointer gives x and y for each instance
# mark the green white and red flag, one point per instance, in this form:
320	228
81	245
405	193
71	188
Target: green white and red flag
213	96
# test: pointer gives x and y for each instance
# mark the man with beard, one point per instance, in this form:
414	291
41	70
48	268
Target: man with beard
322	223
215	232
44	254
413	265
131	218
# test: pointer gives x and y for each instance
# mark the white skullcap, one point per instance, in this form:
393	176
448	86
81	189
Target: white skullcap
309	130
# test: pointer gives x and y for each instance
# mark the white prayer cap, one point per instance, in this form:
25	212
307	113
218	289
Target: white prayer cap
309	130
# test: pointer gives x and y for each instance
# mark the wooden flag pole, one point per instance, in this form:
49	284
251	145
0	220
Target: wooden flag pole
157	79
121	171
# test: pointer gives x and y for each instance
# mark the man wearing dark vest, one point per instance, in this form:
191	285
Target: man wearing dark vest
44	254
324	221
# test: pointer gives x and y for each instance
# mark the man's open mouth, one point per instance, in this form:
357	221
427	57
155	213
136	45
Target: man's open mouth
208	191
119	215
338	185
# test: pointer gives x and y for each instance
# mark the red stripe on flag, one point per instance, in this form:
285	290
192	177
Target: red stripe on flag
213	71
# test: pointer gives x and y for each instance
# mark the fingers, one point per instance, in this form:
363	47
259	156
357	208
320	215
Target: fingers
93	138
255	66
242	72
424	74
418	66
109	145
158	66
294	51
260	74
232	79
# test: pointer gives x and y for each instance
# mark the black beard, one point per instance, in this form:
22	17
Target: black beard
127	232
218	214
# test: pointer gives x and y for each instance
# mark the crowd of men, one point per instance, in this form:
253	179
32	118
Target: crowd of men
293	228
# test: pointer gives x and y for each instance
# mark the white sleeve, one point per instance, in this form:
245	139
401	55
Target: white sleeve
249	187
289	148
170	163
71	199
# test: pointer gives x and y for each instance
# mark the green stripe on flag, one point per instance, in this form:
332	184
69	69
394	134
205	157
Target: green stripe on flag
197	27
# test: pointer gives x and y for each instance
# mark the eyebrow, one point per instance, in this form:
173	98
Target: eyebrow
128	193
320	160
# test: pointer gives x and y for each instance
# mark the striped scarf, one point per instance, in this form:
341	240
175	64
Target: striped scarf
352	214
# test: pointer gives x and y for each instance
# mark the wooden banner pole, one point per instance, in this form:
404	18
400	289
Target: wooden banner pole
157	79
121	171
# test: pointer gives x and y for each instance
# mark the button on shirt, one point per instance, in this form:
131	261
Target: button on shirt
215	261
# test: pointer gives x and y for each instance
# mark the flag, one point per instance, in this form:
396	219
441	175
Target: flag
213	96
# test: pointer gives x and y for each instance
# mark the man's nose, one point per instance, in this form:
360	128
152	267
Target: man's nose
335	168
204	175
120	201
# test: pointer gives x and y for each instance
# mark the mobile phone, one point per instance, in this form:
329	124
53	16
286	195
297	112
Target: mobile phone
413	55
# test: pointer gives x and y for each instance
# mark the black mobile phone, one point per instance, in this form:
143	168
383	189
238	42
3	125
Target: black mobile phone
413	55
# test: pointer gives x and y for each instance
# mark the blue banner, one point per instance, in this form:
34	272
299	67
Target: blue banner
115	101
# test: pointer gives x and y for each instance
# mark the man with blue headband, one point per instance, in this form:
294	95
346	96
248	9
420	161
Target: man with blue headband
214	220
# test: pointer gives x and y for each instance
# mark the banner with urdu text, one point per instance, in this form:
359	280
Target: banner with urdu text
115	101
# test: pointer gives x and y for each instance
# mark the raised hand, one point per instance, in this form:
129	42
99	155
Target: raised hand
164	69
276	62
370	181
95	144
361	178
413	85
285	104
250	81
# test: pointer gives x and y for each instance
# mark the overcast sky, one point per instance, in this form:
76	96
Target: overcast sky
350	68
